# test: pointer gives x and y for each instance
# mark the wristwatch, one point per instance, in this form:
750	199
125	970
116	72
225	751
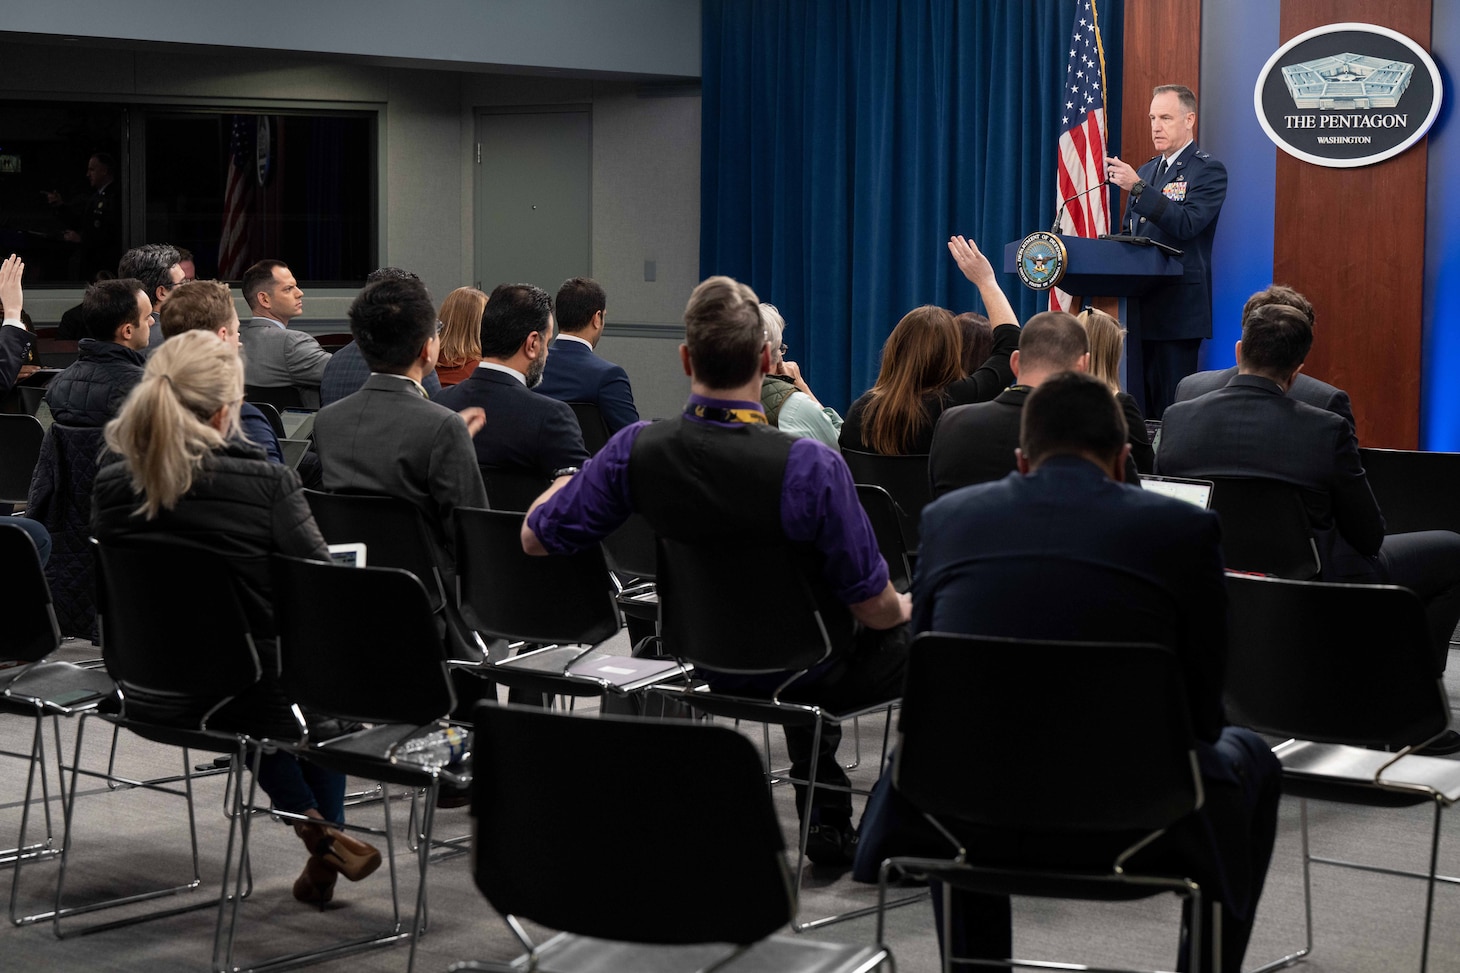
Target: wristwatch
566	471
1137	189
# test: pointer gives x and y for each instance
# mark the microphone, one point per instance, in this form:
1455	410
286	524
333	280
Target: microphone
1059	213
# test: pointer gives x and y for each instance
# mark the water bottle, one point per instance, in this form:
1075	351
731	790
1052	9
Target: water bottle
437	749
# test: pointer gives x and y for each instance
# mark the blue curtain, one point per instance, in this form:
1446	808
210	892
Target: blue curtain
844	141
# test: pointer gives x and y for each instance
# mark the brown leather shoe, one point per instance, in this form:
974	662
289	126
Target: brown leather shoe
342	852
316	884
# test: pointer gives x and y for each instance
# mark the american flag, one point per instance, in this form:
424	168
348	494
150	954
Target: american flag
237	193
1082	138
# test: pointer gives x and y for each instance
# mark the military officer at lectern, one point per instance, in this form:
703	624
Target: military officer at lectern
1174	199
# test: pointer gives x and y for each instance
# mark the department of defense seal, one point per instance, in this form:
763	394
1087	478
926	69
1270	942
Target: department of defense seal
1041	260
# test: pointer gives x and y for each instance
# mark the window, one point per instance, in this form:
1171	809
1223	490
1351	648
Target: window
232	188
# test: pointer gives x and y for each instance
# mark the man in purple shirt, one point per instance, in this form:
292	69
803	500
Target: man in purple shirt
719	471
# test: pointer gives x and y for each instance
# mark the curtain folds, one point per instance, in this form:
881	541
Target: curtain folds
844	141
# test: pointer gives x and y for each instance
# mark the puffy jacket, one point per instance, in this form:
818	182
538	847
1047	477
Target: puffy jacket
242	507
90	391
60	498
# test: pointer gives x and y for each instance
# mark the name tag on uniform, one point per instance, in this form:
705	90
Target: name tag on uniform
1175	191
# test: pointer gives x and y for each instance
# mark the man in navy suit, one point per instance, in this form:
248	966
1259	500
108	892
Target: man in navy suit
574	372
1064	550
1305	388
1175	199
525	432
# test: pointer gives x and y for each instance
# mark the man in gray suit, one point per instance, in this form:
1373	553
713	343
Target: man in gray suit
274	356
389	438
1305	387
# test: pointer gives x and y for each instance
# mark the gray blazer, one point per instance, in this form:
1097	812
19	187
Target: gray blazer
1307	389
388	439
275	356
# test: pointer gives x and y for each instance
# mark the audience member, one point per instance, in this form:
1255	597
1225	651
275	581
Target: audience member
789	403
156	266
16	340
1305	388
1107	340
15	345
179	471
574	372
461	335
1132	566
979	442
347	370
273	355
922	368
82	399
1251	427
389	438
978	340
719	472
207	305
188	265
525	432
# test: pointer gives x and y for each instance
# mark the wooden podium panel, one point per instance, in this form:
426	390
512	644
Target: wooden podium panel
1353	242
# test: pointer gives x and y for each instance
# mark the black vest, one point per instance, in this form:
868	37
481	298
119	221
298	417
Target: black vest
695	481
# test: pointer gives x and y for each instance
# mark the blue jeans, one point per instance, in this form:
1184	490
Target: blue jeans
296	786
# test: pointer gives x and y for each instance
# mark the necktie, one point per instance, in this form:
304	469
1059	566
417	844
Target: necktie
1160	169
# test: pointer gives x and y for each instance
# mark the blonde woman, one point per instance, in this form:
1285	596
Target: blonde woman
180	469
461	335
1107	341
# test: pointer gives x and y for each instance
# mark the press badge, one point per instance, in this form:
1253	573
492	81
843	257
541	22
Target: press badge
1175	191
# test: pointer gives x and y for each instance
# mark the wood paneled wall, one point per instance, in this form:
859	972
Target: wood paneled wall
1353	242
1162	46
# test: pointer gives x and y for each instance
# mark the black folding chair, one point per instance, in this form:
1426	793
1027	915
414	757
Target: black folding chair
634	560
271	413
1416	490
904	477
590	421
384	667
1265	527
562	604
20	449
886	518
34	687
279	396
965	692
168	691
1346	674
512	489
788	632
741	895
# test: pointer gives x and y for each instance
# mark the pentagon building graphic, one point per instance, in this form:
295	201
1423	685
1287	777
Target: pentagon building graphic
1348	81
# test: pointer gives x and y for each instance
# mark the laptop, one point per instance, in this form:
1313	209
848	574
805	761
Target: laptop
348	555
1198	492
298	423
293	450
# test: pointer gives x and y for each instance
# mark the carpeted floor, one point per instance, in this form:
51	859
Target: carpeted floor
126	839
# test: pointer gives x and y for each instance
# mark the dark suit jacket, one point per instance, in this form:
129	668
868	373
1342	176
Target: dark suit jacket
387	439
525	432
976	443
575	373
1180	210
1305	389
1250	428
14	345
346	372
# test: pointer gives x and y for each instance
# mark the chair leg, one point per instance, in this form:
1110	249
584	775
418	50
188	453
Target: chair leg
1307	946
1424	952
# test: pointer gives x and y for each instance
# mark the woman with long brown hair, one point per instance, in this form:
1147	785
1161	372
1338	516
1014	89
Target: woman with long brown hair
461	335
922	370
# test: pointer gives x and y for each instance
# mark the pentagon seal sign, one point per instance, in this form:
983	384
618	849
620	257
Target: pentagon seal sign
1041	260
1347	95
